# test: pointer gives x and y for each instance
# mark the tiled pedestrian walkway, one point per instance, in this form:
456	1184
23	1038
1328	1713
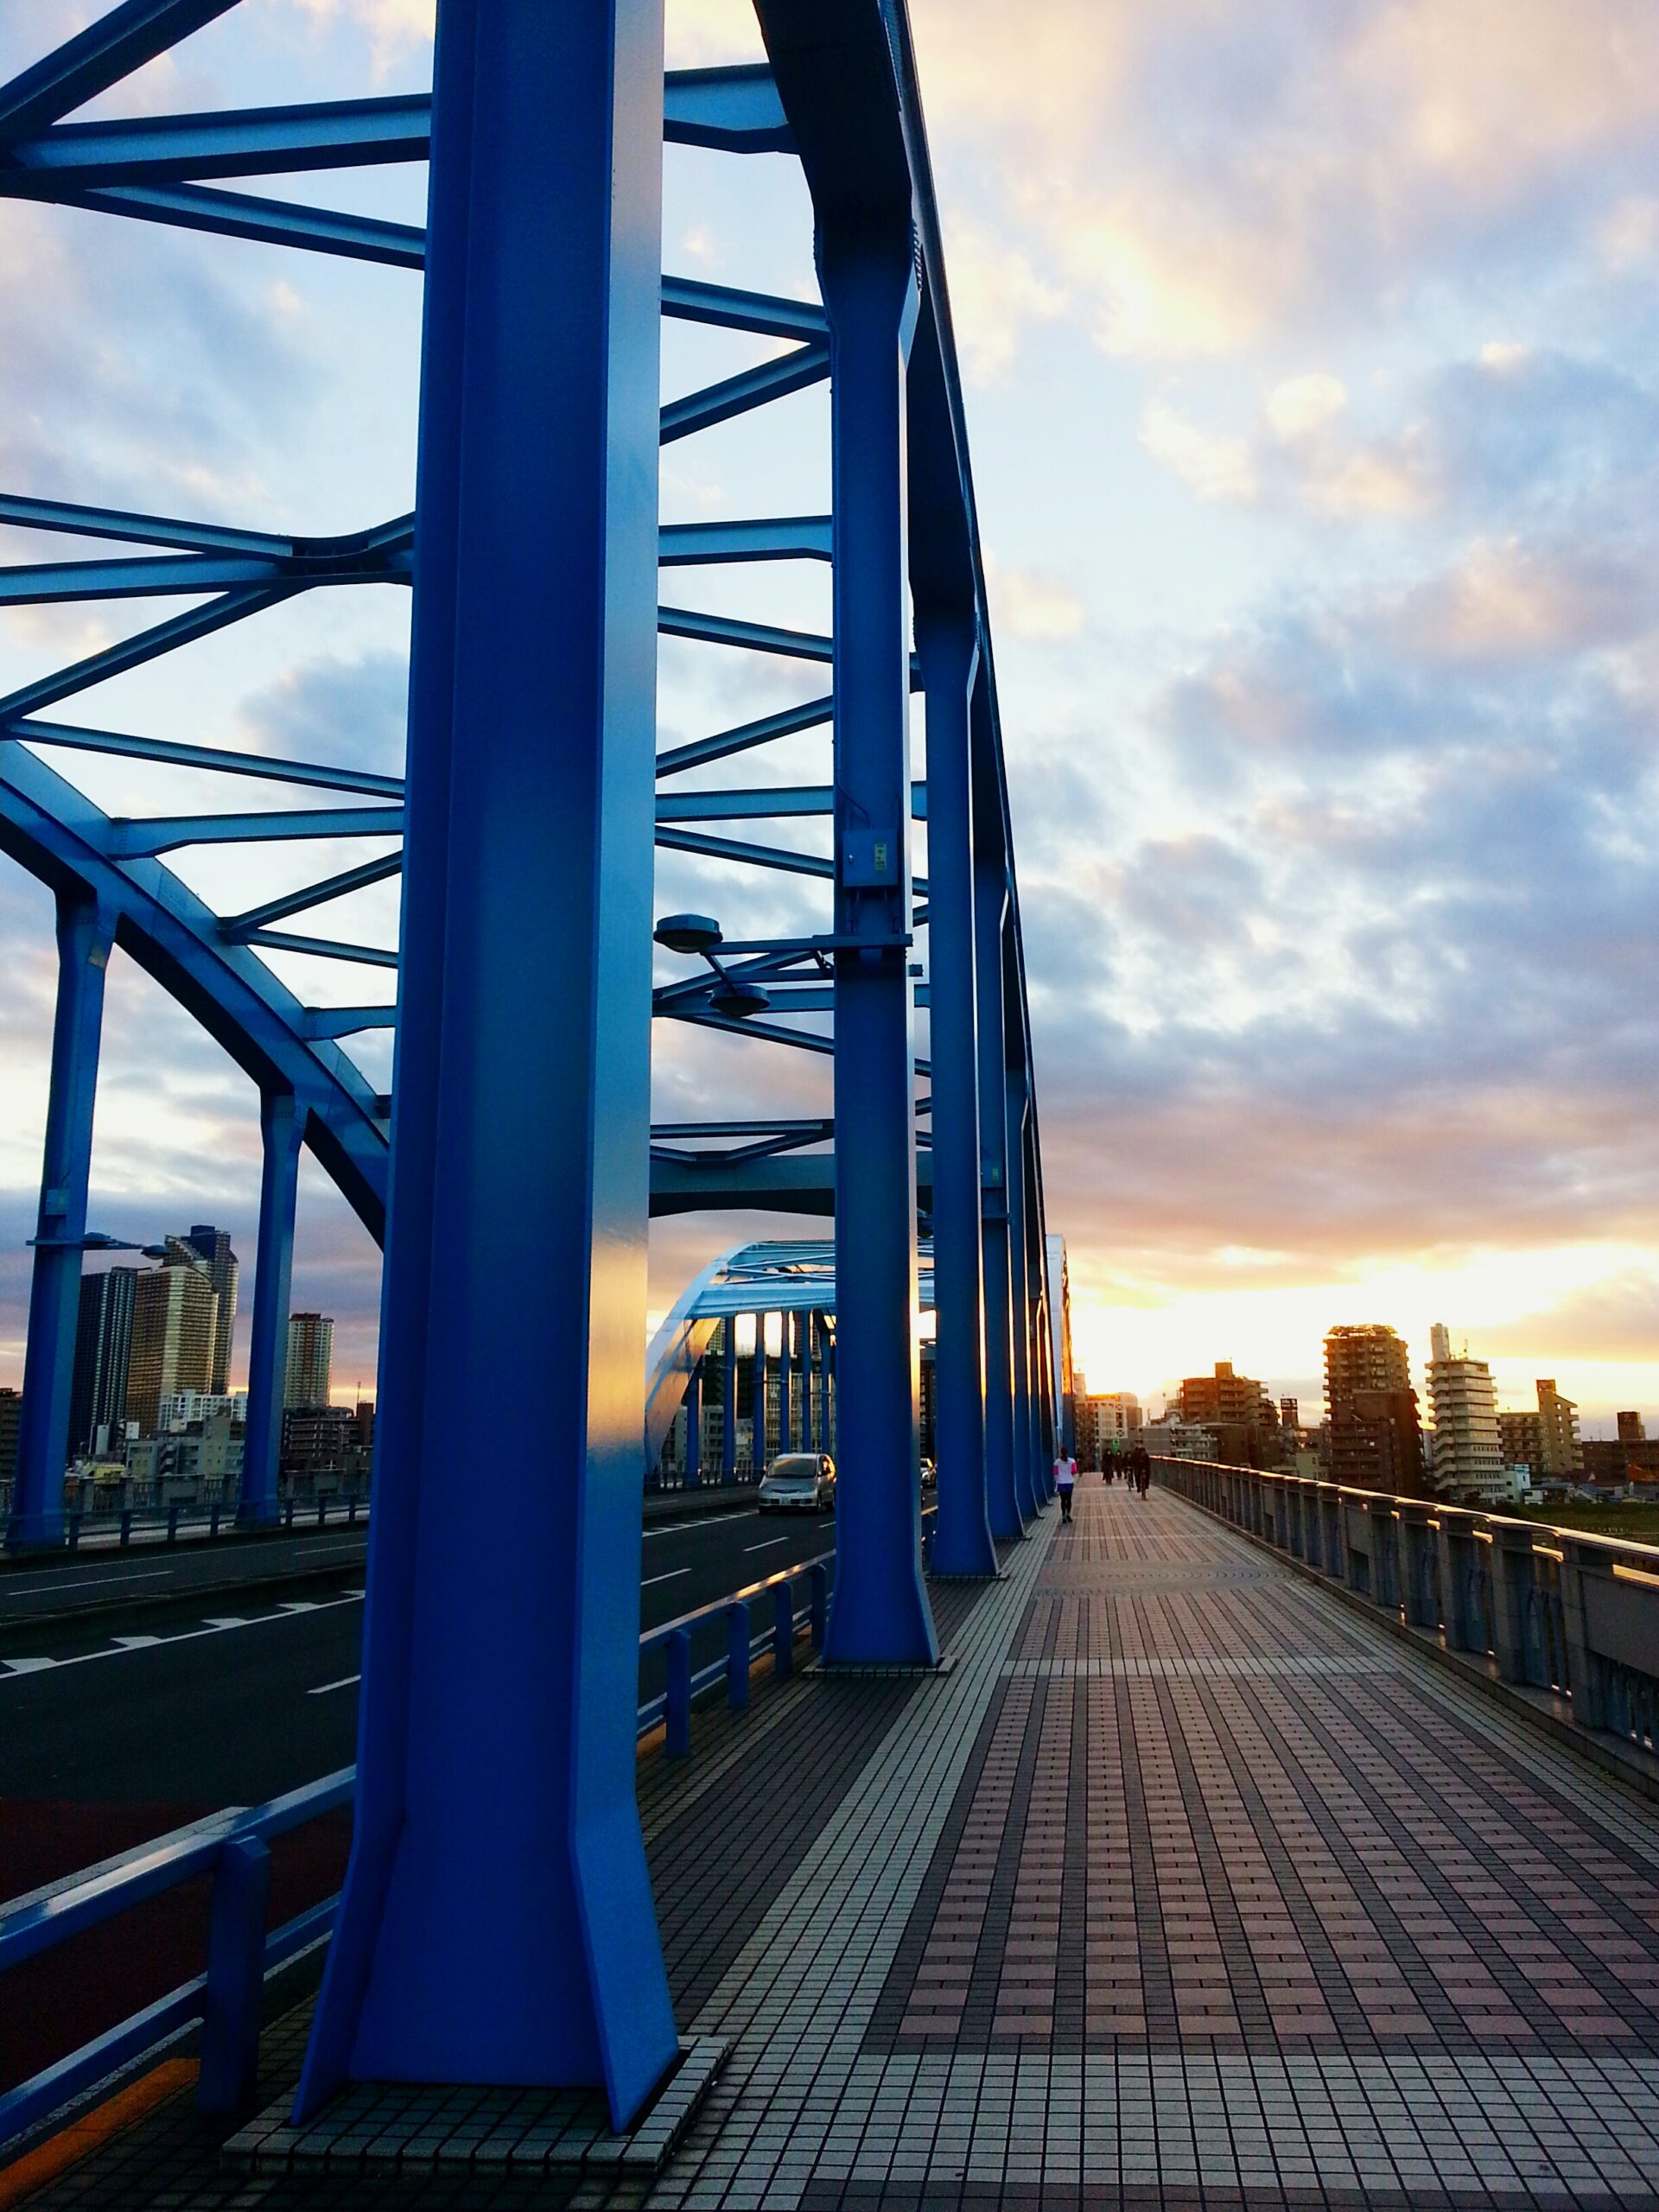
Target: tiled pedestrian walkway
1185	1886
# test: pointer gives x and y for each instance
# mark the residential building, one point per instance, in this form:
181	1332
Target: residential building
1364	1356
1290	1417
1521	1441
11	1419
328	1447
1631	1429
97	1388
1107	1422
1376	1443
1375	1436
1223	1399
175	1313
213	1247
1468	1460
1237	1411
1611	1464
183	1408
1558	1419
310	1359
202	1462
1169	1437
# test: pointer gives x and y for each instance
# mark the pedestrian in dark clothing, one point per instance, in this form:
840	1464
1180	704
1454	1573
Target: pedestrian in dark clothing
1141	1469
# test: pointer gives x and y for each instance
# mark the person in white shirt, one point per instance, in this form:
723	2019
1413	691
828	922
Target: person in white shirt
1066	1481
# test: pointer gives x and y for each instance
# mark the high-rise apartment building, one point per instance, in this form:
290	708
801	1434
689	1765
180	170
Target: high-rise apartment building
174	1314
213	1247
1631	1428
310	1359
1376	1440
1558	1422
1290	1415
1363	1356
1521	1439
1468	1447
98	1389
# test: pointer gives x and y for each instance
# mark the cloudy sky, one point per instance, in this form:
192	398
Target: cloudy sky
1309	348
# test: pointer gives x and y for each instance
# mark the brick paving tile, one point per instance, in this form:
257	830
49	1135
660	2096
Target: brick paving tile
1185	1887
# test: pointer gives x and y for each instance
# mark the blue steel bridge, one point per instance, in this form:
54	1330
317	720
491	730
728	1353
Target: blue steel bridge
1257	1844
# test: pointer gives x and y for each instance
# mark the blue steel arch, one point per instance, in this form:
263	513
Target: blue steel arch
838	92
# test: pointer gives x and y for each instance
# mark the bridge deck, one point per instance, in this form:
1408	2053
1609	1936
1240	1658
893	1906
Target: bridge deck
1185	1886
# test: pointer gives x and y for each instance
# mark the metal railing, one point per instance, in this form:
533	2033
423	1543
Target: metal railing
132	1524
1554	1609
233	1848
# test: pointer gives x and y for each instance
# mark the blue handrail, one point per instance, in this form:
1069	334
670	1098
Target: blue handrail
219	1846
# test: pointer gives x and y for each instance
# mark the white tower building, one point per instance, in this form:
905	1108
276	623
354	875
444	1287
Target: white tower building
1468	1456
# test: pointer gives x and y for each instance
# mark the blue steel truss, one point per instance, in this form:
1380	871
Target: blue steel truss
551	339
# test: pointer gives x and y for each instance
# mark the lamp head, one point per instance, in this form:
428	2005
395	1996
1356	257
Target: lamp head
687	933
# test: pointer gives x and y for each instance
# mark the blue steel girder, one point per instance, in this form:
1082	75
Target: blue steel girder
60	836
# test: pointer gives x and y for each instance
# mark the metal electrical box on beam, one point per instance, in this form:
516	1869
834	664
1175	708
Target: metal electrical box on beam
869	860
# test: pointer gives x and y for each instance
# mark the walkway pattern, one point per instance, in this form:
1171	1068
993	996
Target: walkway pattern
1189	1886
1185	1886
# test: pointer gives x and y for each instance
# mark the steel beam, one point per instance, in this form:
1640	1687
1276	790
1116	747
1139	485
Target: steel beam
962	1536
880	1611
85	936
1003	1501
281	1125
497	1923
107	50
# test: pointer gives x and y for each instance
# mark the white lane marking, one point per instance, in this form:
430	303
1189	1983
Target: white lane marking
190	1636
673	1575
344	1683
299	1605
702	1520
770	1545
10	1589
225	1620
134	1642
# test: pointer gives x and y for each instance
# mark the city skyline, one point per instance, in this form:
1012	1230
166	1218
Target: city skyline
1328	760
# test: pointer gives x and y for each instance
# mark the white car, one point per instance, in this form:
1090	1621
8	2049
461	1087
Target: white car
799	1482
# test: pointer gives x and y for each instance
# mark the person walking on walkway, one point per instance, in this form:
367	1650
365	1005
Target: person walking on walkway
1066	1481
1141	1469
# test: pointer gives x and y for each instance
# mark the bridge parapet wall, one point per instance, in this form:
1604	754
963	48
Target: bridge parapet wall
1556	1611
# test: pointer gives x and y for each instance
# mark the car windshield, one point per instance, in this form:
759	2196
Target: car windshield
797	1472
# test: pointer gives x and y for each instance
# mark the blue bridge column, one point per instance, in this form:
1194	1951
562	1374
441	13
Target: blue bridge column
497	1925
880	1610
1041	1358
819	1386
1003	1498
281	1128
757	1449
786	1382
85	935
729	1400
1031	1490
962	1535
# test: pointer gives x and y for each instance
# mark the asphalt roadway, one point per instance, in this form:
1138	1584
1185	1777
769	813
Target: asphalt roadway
158	1708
